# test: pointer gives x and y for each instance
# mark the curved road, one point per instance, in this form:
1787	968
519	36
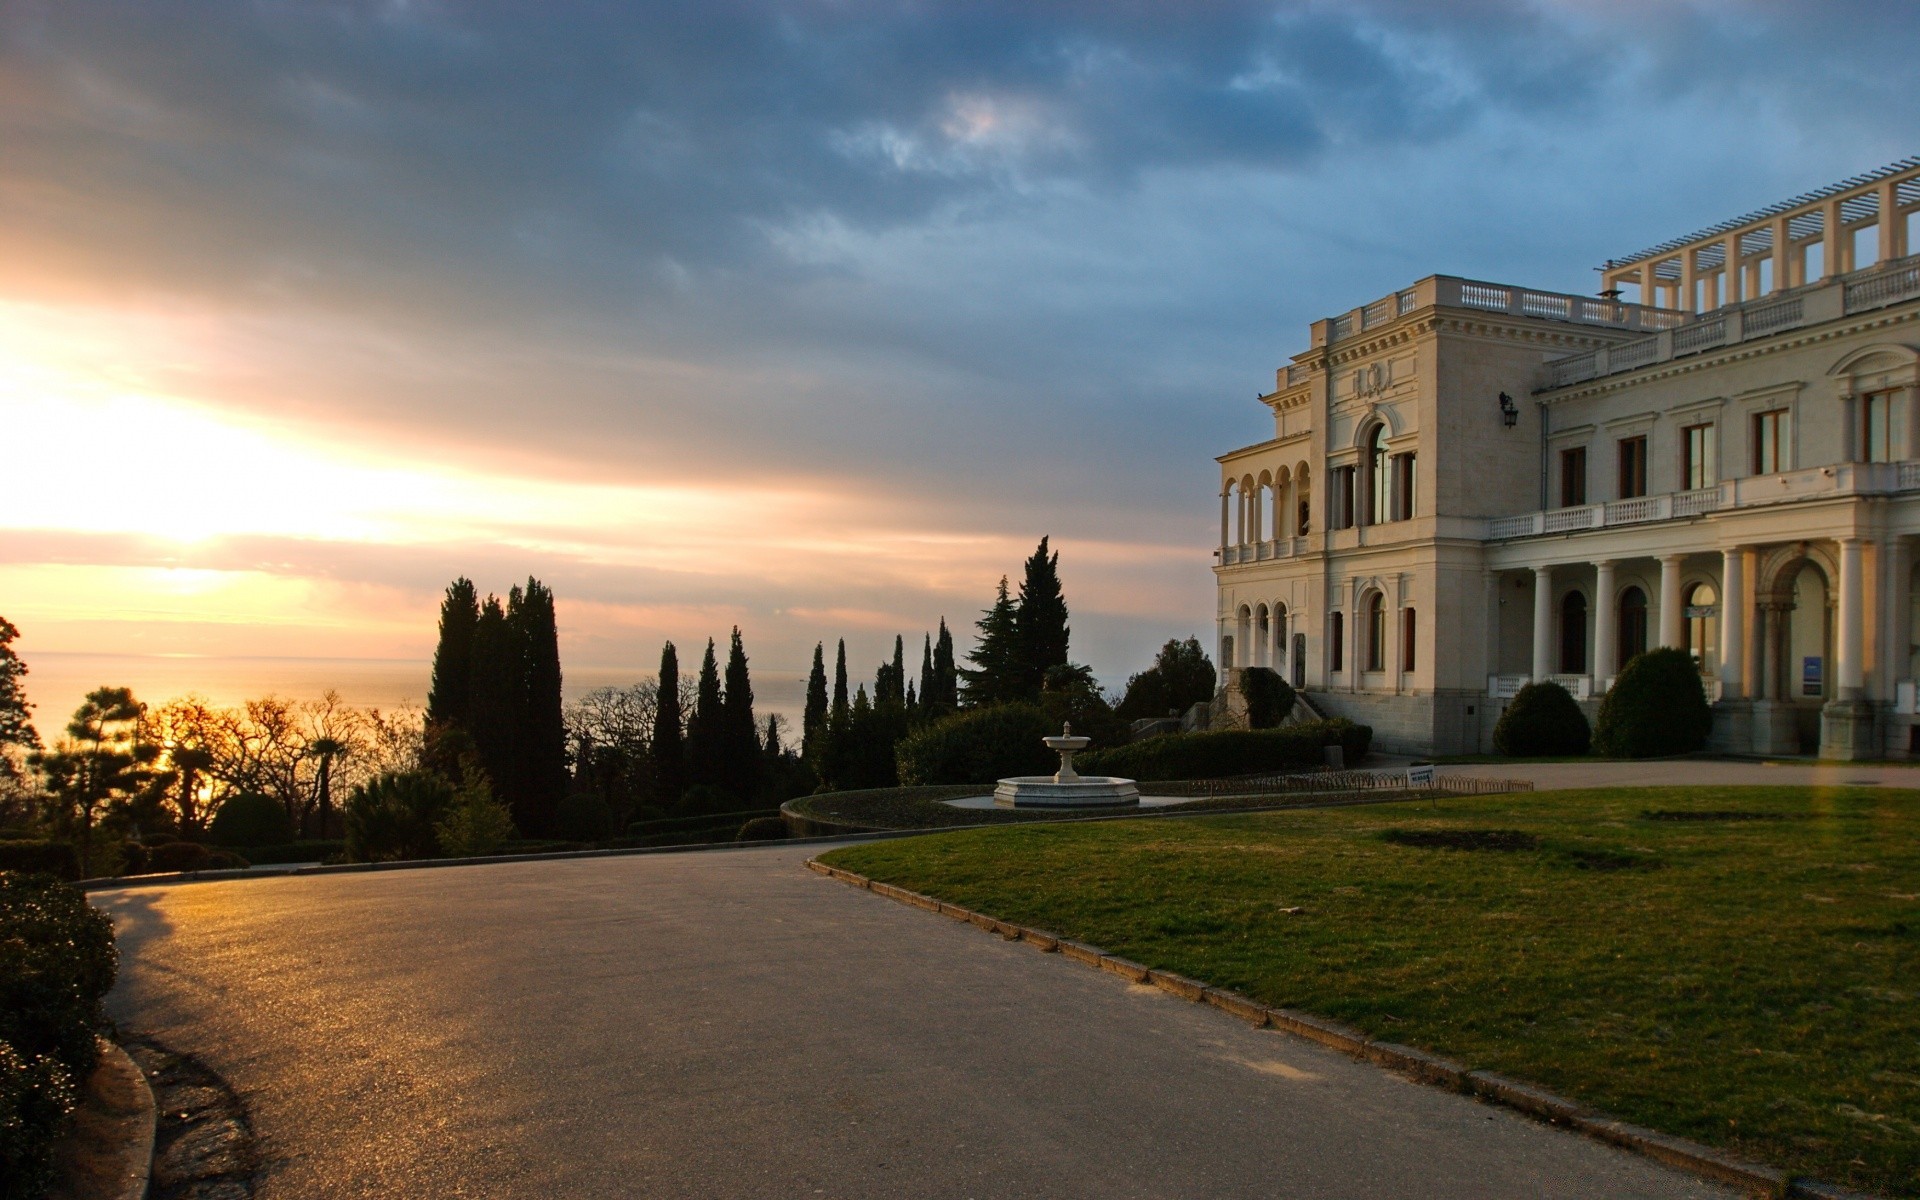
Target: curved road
730	1024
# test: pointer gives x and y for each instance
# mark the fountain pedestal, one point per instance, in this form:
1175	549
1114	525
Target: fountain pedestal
1066	788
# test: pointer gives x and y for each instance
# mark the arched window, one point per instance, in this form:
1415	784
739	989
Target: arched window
1379	481
1376	632
1633	625
1406	639
1573	634
1702	627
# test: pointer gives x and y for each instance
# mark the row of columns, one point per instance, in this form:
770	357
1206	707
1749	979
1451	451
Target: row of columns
1243	512
1754	662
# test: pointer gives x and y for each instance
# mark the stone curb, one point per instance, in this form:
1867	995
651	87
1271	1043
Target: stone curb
107	1151
1418	1065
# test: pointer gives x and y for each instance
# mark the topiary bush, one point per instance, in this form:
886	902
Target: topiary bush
1269	698
57	960
979	745
43	857
1656	706
392	817
1542	719
584	817
250	819
762	829
178	856
1230	752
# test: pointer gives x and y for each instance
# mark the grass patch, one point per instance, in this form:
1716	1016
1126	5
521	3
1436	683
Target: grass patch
1750	983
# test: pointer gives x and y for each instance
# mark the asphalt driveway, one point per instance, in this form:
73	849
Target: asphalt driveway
730	1024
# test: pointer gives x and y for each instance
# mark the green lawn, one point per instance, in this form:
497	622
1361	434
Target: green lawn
1735	965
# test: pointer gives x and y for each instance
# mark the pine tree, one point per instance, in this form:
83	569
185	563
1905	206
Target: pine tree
995	676
544	736
449	698
740	739
945	695
706	736
16	727
1040	622
668	748
813	724
840	684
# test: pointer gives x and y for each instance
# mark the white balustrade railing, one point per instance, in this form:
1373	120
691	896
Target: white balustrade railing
1692	504
1580	687
1701	335
1635	510
1561	520
1505	687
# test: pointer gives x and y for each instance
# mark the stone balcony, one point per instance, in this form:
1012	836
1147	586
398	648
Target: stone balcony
1752	491
1862	291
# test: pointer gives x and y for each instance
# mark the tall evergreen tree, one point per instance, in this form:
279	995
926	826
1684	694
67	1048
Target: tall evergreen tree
946	676
840	683
497	705
544	737
1040	622
706	729
913	699
740	739
897	678
450	696
668	748
926	672
17	735
813	724
995	675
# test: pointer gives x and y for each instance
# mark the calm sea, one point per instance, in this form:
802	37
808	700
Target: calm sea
56	682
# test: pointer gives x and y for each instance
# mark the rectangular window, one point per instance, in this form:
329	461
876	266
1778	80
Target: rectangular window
1406	639
1770	442
1403	485
1338	642
1696	458
1573	477
1633	467
1341	502
1874	444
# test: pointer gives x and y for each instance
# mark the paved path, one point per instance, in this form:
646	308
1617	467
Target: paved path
729	1024
1693	772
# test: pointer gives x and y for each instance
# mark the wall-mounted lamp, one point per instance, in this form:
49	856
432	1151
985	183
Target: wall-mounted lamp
1509	412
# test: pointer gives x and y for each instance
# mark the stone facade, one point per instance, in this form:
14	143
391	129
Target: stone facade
1471	485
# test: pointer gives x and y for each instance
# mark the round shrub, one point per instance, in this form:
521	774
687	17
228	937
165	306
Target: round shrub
979	745
250	819
225	860
1543	719
393	817
584	817
762	829
1227	752
1656	706
178	856
1269	698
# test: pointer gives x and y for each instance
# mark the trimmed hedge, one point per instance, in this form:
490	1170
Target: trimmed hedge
57	960
319	850
762	829
1657	706
47	858
979	745
1543	718
1230	751
250	819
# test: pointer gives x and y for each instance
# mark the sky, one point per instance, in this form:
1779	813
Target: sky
810	318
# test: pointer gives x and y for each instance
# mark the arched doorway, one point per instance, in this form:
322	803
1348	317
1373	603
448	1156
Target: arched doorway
1262	636
1299	660
1279	659
1573	634
1376	633
1700	612
1633	626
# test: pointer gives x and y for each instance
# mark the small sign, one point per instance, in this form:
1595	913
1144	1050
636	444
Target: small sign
1420	775
1810	675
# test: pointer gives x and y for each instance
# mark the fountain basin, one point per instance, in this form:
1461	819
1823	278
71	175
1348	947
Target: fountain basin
1050	791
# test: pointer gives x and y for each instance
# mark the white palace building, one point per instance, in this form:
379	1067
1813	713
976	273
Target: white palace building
1471	485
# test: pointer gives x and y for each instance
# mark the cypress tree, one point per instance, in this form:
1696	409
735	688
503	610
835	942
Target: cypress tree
449	697
926	671
740	739
813	724
544	737
995	676
1040	622
668	749
897	679
913	699
840	683
946	678
497	705
706	736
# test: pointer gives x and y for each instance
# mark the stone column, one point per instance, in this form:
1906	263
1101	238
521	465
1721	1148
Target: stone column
1490	626
1756	642
1848	673
1733	634
1226	519
1773	622
1542	623
1353	636
1896	632
1671	626
1254	514
1605	624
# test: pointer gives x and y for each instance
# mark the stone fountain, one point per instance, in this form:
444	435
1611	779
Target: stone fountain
1066	788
